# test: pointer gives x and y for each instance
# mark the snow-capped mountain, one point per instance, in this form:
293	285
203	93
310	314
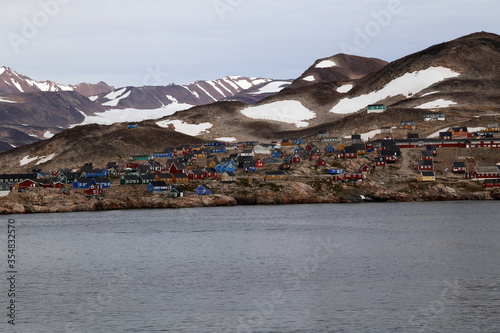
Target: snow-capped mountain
197	93
459	78
340	67
13	82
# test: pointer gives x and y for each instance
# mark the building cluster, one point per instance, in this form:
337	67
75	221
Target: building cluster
216	161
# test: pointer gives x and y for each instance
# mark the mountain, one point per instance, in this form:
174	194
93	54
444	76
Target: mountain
197	93
460	78
12	82
92	143
40	109
340	67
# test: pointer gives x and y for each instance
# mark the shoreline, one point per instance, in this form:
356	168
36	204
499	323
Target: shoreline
35	202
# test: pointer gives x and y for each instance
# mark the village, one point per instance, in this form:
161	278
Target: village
222	167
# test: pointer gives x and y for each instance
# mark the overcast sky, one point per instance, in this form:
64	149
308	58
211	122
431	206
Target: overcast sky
163	41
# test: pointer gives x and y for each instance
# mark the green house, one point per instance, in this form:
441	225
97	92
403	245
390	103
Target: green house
376	108
141	157
130	180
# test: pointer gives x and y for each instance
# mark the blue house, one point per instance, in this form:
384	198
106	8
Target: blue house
203	190
329	149
132	125
213	144
335	171
94	173
297	141
162	154
104	182
82	182
276	153
158	186
218	150
230	167
219	167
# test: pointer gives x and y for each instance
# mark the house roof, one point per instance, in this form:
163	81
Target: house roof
180	175
102	180
164	175
84	180
150	176
130	177
459	164
230	173
486	169
274	173
158	183
425	162
427	173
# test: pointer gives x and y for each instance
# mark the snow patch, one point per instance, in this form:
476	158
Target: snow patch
407	85
114	94
131	115
192	92
3	100
469	129
291	112
226	139
186	128
326	64
48	134
309	78
2	70
430	93
115	101
345	88
44	159
26	160
368	135
93	98
18	86
272	87
33	135
437	104
216	88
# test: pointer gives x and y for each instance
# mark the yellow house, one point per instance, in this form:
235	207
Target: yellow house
275	176
427	176
341	146
492	127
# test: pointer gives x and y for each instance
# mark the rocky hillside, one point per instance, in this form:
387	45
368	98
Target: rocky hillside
91	143
459	78
340	67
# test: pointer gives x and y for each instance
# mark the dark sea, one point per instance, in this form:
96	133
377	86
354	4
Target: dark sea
384	267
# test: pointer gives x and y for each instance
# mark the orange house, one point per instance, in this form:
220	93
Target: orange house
458	131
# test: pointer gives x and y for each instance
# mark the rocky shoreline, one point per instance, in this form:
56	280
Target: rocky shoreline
53	201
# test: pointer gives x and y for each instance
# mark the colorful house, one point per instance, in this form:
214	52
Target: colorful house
459	167
427	176
130	180
272	176
376	108
425	165
82	182
228	177
158	186
203	190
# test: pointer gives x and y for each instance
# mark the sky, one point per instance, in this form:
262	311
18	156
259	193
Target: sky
180	41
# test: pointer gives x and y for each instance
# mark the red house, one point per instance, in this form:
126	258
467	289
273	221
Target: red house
350	176
28	183
178	168
315	157
94	190
365	169
296	159
459	167
426	155
486	172
339	154
489	183
196	174
425	165
259	163
56	184
210	173
380	162
321	163
310	146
